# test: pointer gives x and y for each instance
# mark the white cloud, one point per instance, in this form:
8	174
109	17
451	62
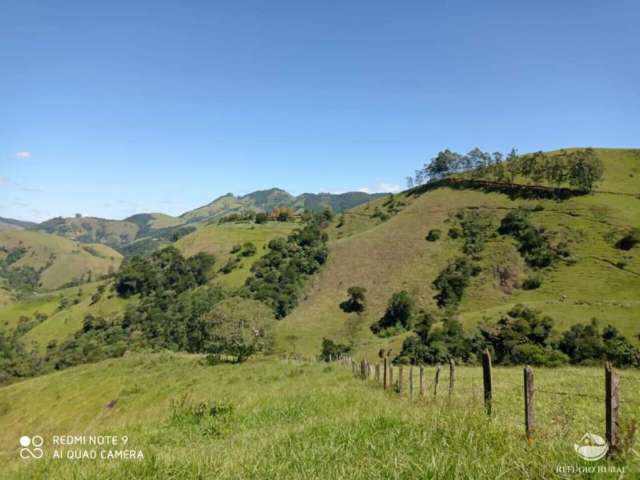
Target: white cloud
381	188
23	155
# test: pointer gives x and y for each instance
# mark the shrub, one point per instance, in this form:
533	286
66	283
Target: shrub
230	265
261	218
332	350
434	235
533	246
630	240
532	282
452	281
248	249
356	302
454	232
399	314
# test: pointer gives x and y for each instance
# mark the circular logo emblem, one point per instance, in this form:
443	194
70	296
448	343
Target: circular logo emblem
591	447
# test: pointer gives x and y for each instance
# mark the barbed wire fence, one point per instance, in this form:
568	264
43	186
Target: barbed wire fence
445	382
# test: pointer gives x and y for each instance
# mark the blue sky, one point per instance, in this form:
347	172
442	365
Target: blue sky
112	108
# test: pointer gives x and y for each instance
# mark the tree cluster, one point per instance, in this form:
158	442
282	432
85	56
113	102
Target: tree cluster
398	317
279	275
533	245
582	169
333	350
166	269
521	336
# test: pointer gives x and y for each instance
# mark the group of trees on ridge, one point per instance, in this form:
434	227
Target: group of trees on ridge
581	169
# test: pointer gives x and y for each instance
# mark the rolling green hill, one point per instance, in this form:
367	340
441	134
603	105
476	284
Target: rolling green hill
91	229
389	255
599	281
56	260
220	239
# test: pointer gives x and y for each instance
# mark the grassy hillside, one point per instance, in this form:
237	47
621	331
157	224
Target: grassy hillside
59	260
154	221
287	420
387	256
91	229
220	239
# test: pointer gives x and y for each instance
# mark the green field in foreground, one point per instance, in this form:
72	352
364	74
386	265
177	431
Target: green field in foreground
292	420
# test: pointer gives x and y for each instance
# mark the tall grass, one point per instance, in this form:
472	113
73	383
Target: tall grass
270	419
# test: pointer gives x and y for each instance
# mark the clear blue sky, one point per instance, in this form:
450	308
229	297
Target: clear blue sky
116	107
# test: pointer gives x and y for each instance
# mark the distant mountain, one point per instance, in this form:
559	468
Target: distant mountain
12	224
144	231
265	200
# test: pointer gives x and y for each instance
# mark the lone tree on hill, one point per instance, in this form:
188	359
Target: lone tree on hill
356	302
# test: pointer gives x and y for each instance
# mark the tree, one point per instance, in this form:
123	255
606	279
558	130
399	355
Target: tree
333	350
523	335
166	269
356	302
399	314
261	218
239	327
248	249
452	281
585	169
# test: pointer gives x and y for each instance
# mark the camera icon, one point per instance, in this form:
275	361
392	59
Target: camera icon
31	447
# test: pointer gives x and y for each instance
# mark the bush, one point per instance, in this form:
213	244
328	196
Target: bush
399	314
533	246
454	232
356	302
452	281
261	218
521	326
248	250
434	235
532	282
332	350
630	240
230	265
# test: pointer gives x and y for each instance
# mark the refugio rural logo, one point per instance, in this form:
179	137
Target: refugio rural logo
591	447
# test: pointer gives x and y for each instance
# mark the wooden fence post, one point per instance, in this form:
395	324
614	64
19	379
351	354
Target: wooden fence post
422	387
612	402
435	381
529	413
452	376
391	376
363	368
411	382
486	380
377	373
385	373
400	377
